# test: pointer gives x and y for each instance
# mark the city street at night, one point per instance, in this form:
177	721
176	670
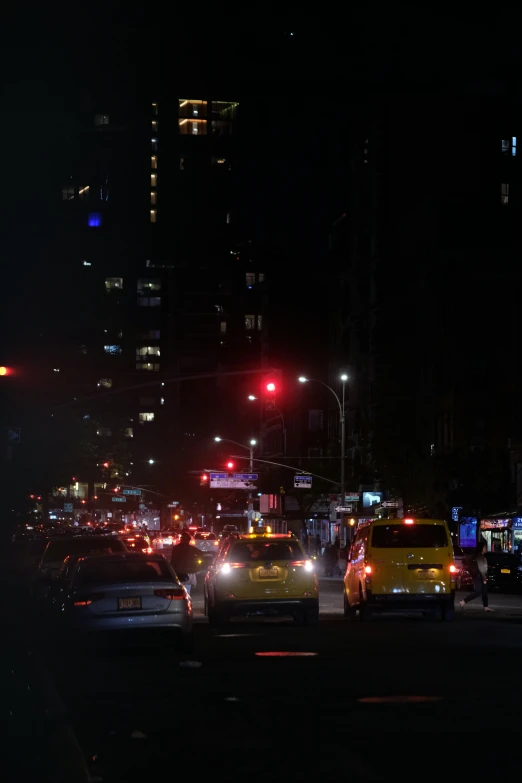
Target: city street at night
258	695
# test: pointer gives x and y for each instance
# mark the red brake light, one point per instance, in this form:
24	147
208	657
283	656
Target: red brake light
171	593
86	600
409	521
367	569
453	568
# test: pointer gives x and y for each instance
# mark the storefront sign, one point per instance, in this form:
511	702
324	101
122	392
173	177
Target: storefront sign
517	523
495	524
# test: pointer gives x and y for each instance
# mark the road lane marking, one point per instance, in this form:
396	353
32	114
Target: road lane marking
283	654
398	699
234	635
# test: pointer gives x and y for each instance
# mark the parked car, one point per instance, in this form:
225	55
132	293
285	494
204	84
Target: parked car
125	592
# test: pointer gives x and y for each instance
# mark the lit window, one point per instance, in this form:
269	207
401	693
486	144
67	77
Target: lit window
229	217
94	220
128	432
101	119
149	301
505	146
181	163
147	350
153	197
504	194
147	366
113	350
259	322
68	193
250	322
154	108
509	146
153	215
513	145
86	263
145	285
218	161
154	145
223	327
250	278
193	127
113	282
261	277
154	180
104	432
151	334
315	420
146	417
83	193
154	126
106	383
223	116
162	400
154	162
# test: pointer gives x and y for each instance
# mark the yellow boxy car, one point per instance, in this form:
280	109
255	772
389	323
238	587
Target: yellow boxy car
401	565
262	574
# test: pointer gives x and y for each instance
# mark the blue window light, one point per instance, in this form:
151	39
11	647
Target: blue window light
95	219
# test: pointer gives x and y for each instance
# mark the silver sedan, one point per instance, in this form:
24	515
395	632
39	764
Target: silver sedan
125	592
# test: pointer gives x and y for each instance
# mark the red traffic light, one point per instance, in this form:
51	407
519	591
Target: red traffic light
32	497
271	387
230	465
203	480
204	477
105	465
4	371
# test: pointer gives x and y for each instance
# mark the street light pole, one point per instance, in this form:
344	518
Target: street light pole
342	423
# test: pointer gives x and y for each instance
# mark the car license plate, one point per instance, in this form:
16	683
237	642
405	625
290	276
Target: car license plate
129	603
426	573
266	573
505	570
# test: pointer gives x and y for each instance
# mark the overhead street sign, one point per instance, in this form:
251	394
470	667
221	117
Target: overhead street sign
231	483
132	491
390	504
245	476
302	482
119	500
352	496
345	509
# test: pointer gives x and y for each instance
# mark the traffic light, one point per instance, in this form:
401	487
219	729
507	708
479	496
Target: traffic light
5	371
271	388
203	480
231	465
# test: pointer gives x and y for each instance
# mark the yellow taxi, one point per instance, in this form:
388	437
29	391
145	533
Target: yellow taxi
262	574
401	565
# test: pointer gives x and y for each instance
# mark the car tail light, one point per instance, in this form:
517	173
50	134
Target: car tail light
171	593
409	521
367	569
453	568
453	573
192	543
147	550
226	568
306	564
87	600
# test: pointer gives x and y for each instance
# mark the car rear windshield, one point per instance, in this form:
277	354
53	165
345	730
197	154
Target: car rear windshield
262	551
108	571
502	559
205	536
136	541
410	536
58	549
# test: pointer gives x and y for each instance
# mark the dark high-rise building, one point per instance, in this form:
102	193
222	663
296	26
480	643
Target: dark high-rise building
428	268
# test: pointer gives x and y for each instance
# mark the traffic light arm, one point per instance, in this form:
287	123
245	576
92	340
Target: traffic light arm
288	467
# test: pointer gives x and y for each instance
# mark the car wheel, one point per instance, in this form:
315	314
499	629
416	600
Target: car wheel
187	642
365	612
447	612
217	616
349	611
311	616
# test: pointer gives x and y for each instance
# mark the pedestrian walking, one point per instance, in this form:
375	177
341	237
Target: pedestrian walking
478	568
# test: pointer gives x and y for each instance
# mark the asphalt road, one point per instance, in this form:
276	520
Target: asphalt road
262	700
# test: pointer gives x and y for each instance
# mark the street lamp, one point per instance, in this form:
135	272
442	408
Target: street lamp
151	462
342	419
250	449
